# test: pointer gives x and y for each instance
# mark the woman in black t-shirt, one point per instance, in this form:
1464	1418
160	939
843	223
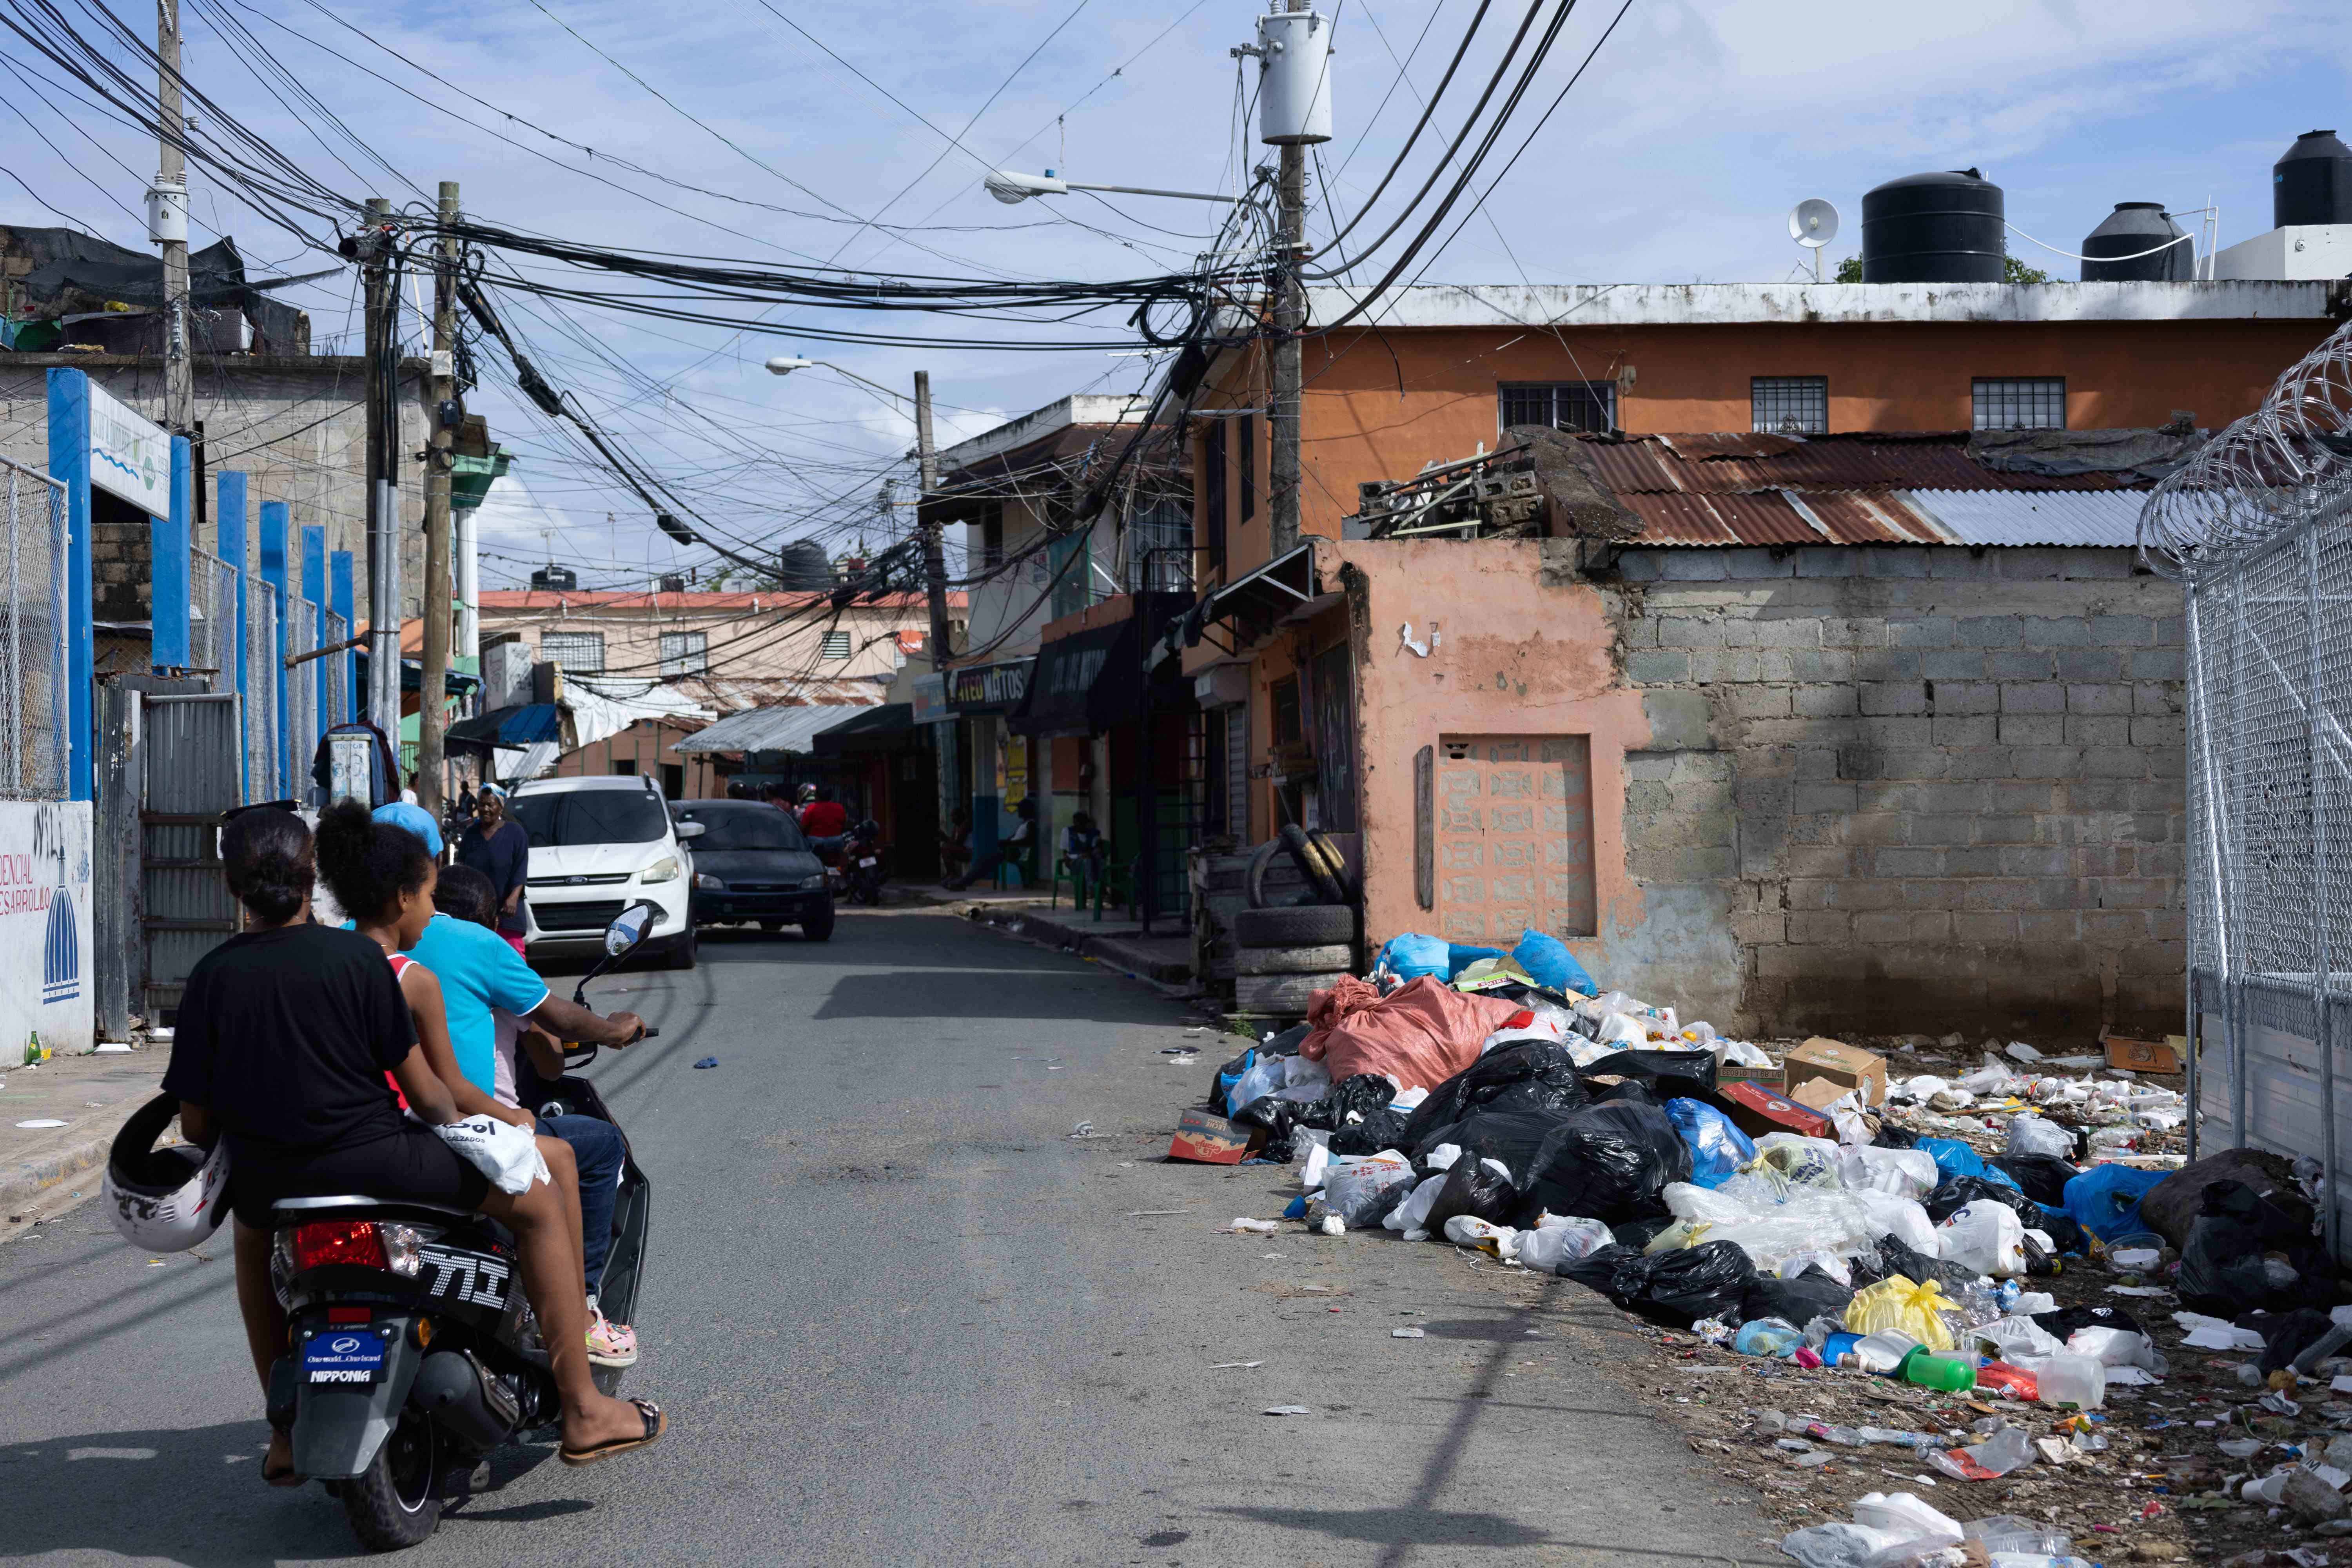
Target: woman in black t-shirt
285	1034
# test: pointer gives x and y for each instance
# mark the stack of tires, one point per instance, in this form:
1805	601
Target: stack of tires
1284	954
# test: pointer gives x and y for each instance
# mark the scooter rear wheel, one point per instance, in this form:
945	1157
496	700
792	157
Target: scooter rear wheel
391	1505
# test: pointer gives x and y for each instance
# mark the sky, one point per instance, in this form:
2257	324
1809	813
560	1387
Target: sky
787	135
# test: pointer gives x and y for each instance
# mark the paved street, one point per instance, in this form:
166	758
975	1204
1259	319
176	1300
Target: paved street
899	1316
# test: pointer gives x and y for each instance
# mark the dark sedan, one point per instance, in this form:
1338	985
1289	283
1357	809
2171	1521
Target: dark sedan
751	863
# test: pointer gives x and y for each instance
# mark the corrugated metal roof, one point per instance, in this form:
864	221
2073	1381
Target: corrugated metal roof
770	729
2106	518
1718	464
1870	517
1767	519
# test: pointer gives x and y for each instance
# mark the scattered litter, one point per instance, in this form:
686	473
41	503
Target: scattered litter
1155	1214
1253	1227
1087	1130
1407	1334
708	1062
40	1122
1287	1410
1236	1365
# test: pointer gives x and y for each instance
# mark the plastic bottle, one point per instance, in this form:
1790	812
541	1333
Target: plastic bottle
1837	1347
2069	1379
1930	1369
1900	1439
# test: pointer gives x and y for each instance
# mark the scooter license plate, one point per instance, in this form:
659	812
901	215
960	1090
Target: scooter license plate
870	860
343	1357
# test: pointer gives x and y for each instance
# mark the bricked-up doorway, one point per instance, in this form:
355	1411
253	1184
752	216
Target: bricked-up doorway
1514	836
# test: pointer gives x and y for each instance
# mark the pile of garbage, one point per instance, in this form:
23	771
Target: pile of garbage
1989	1247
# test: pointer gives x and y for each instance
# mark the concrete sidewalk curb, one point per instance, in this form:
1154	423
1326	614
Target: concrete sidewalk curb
30	1179
1110	950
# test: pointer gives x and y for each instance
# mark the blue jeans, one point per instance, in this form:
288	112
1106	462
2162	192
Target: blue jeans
597	1149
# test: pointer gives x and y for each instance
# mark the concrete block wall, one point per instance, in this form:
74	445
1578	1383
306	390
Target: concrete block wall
1921	788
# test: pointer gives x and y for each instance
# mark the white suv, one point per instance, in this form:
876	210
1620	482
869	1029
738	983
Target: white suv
597	845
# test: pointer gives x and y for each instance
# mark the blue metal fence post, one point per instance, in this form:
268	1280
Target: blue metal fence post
229	514
273	572
314	589
69	464
338	601
168	541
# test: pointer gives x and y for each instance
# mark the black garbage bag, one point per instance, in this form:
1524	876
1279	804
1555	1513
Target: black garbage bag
1890	1136
1363	1094
1514	1137
1383	1128
1227	1077
2062	1323
1529	1076
1896	1256
2043	1177
1812	1294
2288	1334
1638	1234
1472	1187
1635	1090
1681	1287
1958	1191
1598	1267
2172	1206
2245	1254
1648	1065
1608	1163
2063	1230
1277	1116
1286	1043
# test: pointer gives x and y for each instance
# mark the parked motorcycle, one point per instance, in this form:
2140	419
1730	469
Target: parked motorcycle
861	860
415	1354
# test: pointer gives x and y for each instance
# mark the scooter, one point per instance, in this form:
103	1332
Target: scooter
414	1351
861	861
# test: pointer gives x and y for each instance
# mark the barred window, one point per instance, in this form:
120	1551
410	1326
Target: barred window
836	645
685	652
1789	404
2021	403
1158	548
1562	404
581	653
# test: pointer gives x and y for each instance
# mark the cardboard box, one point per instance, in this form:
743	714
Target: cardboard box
2142	1055
1841	1064
1211	1140
1757	1111
1773	1078
1821	1093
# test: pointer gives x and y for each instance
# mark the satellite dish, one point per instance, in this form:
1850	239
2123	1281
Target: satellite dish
1812	222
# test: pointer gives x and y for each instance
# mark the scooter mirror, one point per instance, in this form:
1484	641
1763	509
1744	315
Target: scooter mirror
628	930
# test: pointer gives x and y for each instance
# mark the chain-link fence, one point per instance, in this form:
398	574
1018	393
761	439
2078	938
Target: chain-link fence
262	663
2258	530
35	737
212	619
302	681
335	680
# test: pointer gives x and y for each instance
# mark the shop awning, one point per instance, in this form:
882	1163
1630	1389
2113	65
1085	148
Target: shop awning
884	729
1084	683
786	729
1270	592
525	724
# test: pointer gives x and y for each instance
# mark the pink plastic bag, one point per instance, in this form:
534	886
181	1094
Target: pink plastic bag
1420	1035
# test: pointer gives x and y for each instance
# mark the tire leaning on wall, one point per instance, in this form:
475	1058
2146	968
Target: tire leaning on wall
1281	996
1299	925
1324	960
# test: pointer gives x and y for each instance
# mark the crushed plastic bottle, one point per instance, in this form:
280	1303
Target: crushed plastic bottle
2006	1450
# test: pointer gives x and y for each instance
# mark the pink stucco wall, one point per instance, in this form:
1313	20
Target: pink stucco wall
1511	657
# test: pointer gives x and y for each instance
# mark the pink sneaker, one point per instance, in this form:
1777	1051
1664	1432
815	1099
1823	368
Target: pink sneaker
610	1343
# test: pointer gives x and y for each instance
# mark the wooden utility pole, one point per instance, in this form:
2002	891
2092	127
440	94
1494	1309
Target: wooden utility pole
935	565
167	222
1283	475
384	502
432	711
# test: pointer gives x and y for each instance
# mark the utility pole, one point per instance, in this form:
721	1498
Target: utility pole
432	711
935	565
1283	475
384	510
167	222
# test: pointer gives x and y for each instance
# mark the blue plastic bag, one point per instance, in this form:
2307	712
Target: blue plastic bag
1953	1158
1229	1081
1459	958
1549	964
1717	1148
2105	1199
1412	955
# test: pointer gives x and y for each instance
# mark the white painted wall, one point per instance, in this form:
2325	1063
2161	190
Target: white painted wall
45	938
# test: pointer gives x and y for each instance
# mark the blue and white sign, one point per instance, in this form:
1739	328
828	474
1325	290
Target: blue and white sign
45	927
129	454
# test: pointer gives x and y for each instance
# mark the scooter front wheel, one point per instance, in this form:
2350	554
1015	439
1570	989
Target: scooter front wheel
390	1504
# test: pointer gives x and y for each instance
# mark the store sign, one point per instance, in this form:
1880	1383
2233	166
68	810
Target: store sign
130	456
988	685
932	700
45	927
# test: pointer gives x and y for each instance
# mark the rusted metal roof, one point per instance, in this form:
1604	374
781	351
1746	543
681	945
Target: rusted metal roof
1870	517
1767	519
1718	463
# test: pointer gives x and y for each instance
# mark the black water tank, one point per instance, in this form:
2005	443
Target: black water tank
804	568
2135	230
1933	228
555	579
2313	182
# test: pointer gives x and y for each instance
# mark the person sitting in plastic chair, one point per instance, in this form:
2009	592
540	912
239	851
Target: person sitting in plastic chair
1082	857
1012	852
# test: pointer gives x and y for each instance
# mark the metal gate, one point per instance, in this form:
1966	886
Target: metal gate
302	693
2258	530
189	749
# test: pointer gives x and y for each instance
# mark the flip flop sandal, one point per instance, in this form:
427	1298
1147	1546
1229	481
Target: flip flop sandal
656	1425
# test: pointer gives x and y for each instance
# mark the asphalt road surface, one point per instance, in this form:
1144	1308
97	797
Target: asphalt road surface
900	1315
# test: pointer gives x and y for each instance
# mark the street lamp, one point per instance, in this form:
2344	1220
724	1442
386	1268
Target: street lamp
784	364
1010	188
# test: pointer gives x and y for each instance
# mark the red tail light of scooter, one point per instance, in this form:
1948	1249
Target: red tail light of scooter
351	1242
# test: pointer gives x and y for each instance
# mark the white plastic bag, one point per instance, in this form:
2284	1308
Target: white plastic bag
1469	1230
1985	1237
1408	1214
1560	1238
1354	1191
2111	1347
1993	1077
1901	1219
2032	1134
1906	1172
1903	1515
2014	1336
506	1153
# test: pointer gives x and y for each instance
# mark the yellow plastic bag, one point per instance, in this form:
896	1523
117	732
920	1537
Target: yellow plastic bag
1897	1303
